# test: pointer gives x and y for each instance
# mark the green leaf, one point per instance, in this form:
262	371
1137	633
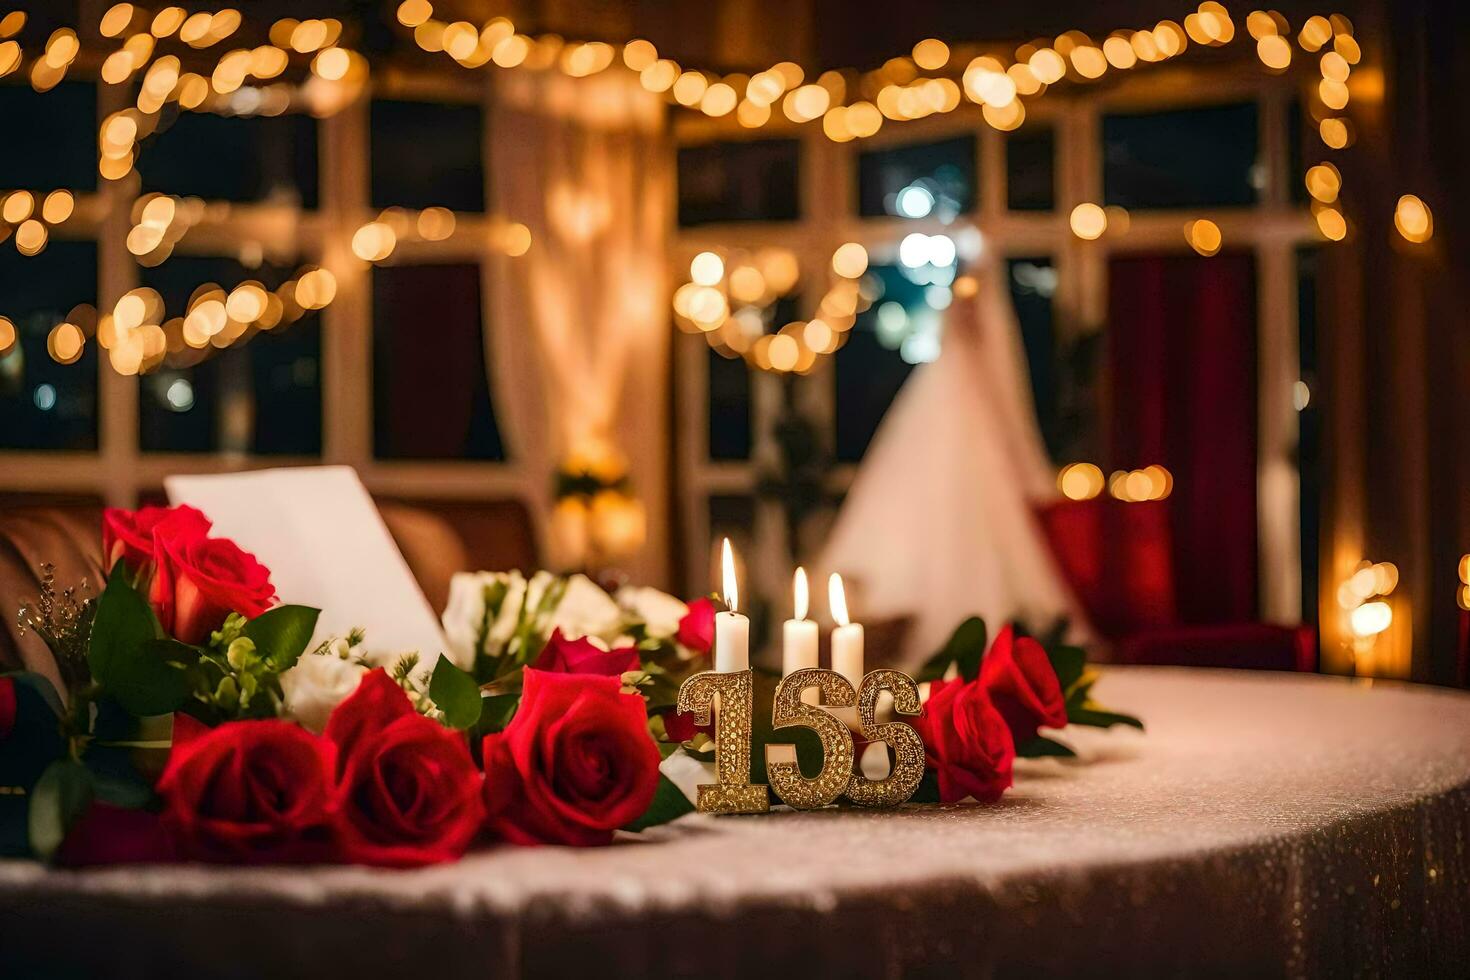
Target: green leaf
124	622
1041	746
63	792
1068	662
149	678
966	647
1097	717
496	712
456	694
928	790
281	634
669	803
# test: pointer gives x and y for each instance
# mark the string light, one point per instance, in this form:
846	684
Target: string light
1089	222
1080	481
1203	236
1413	219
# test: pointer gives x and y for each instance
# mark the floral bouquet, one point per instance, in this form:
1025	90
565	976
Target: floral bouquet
199	722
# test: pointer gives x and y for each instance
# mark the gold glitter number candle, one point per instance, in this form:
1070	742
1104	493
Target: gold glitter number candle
908	747
788	711
734	793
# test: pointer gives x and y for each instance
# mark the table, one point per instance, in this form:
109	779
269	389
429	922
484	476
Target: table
1266	825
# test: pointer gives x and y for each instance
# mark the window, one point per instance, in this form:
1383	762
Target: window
935	179
730	434
431	394
1031	169
1033	282
406	174
233	158
899	330
60	148
1195	157
750	181
261	395
44	404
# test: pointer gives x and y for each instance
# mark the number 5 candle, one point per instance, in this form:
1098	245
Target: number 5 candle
847	638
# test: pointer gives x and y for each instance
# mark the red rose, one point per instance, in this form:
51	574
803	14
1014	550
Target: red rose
575	763
966	742
129	534
408	791
249	792
1018	676
582	656
199	581
697	628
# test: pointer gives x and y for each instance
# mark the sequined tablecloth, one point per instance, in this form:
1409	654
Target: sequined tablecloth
1266	825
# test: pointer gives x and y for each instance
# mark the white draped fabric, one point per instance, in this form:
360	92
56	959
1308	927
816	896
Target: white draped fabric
939	523
579	340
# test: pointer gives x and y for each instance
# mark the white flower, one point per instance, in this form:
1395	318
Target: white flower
659	611
465	615
586	609
316	685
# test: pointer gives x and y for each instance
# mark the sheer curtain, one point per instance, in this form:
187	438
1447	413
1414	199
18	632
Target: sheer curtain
578	345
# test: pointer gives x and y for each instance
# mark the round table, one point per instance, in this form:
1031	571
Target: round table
1266	825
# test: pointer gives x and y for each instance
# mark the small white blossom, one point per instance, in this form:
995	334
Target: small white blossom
316	685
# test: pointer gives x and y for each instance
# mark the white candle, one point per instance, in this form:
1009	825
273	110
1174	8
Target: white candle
847	638
732	630
799	634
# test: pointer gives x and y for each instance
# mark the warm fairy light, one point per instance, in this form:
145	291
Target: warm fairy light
1324	182
1153	482
1080	481
7	336
10	56
116	20
784	352
412	13
1005	119
1203	236
707	269
1089	221
806	103
1334	132
799	597
246	303
719	100
332	64
316	289
689	88
308	36
638	54
1371	618
1048	66
1274	52
728	587
837	599
1335	67
1332	224
1119	52
30	237
374	241
435	224
58	207
1316	32
1334	94
753	115
931	54
166	21
850	260
65	343
1413	219
11	23
17	207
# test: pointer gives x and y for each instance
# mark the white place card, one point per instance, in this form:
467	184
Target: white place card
318	531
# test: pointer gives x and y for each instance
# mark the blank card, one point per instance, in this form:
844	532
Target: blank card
319	532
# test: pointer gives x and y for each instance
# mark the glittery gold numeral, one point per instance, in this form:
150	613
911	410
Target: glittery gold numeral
734	793
908	747
788	711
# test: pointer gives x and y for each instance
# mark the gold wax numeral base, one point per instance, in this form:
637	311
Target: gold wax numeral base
734	793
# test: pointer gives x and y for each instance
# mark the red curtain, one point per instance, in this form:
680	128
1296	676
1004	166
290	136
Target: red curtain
1182	360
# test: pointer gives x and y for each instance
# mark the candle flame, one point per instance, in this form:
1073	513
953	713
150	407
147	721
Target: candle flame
837	599
727	566
799	588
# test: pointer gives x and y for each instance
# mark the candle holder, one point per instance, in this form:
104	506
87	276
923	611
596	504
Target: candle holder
908	747
789	710
734	793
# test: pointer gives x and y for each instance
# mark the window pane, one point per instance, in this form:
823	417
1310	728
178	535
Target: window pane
1031	169
729	407
749	181
406	172
431	396
232	158
1184	158
59	148
43	404
260	395
900	329
1033	282
917	181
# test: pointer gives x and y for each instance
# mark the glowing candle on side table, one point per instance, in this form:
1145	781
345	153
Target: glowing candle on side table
847	638
732	630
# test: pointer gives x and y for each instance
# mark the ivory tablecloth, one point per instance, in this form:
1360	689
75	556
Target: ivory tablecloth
1266	825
